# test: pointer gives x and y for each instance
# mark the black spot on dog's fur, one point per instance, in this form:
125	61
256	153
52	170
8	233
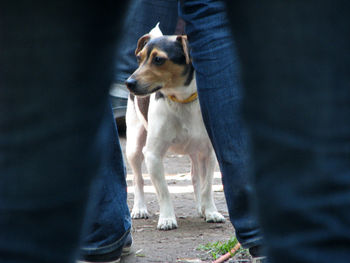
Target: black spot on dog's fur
175	53
159	95
189	70
172	48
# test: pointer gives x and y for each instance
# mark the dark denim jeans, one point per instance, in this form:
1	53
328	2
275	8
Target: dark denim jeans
296	70
56	64
108	220
220	98
141	17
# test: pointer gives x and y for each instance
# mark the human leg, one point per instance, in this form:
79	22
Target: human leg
109	219
56	64
295	58
220	98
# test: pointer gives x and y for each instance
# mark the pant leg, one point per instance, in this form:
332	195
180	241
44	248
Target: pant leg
220	98
109	219
56	62
142	16
296	61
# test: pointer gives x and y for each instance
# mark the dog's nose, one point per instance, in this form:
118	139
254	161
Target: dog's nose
131	83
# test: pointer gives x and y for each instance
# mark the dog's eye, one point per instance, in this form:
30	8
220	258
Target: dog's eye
158	61
138	58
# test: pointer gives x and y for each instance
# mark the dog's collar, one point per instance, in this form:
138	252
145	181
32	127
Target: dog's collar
191	98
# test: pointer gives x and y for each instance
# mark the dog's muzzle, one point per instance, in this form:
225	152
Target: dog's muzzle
131	84
140	90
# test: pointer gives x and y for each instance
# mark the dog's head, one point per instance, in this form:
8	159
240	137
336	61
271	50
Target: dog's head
164	63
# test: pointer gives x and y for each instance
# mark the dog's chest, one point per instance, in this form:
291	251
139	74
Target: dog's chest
190	134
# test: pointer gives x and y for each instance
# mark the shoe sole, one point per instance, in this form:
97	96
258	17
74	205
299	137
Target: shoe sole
259	260
126	251
114	261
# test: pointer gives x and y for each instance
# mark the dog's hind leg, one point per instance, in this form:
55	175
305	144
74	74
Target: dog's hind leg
196	182
206	171
136	139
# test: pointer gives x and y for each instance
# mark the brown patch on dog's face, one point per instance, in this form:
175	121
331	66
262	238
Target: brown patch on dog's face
157	68
142	42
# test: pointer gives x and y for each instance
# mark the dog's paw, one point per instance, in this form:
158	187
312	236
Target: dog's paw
200	212
167	223
214	217
137	213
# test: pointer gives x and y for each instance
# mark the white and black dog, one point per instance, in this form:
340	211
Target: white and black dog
170	118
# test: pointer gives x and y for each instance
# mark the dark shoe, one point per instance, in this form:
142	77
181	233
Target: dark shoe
127	246
119	99
111	257
256	251
258	254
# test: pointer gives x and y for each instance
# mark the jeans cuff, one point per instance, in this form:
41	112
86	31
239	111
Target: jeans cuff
252	242
105	249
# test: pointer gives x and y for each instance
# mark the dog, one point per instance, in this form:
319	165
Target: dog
163	113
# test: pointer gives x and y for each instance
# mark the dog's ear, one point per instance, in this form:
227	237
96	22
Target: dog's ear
141	43
183	41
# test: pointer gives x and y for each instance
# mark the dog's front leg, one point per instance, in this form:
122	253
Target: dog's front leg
154	153
136	140
135	157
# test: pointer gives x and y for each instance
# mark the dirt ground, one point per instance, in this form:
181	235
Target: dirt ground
179	245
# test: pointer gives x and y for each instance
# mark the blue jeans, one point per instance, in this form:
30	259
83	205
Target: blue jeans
295	61
56	65
141	17
108	219
220	96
